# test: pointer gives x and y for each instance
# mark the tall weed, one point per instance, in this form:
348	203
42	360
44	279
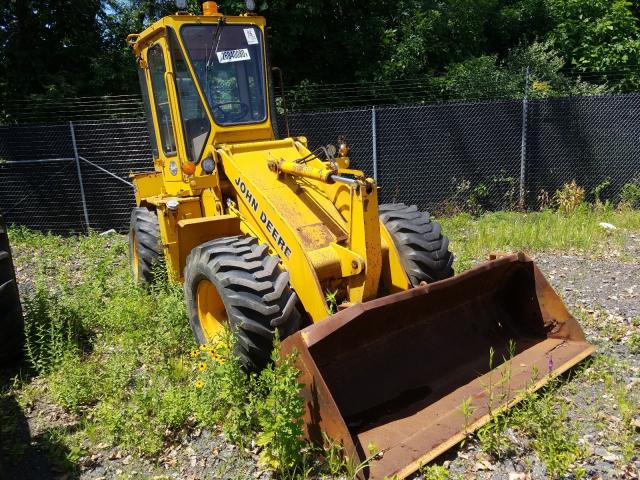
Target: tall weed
568	198
245	404
52	330
630	194
544	419
280	415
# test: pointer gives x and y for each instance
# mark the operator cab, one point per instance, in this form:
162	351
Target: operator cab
204	82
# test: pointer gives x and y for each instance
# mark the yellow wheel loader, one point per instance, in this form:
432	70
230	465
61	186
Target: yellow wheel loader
268	235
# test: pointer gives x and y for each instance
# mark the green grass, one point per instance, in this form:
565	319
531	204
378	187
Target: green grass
119	358
109	352
542	418
473	239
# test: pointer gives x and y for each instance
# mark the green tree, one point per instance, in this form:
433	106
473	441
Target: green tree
329	41
431	37
56	48
596	35
113	67
48	46
488	76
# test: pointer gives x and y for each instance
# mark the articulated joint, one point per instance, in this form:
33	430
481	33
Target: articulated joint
335	262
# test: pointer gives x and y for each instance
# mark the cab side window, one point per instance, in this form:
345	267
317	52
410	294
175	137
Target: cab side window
155	60
196	125
147	110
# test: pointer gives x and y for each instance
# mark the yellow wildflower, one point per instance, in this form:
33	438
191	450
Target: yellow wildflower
203	347
194	353
202	366
216	358
199	384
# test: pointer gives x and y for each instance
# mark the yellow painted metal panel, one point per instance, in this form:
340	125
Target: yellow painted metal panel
258	192
393	275
169	218
146	185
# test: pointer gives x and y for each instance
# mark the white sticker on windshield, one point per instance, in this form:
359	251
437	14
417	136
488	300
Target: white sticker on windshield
252	38
239	55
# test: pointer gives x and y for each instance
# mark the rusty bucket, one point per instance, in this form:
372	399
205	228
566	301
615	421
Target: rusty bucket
393	374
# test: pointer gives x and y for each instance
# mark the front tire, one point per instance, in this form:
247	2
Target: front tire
11	321
424	251
234	281
145	247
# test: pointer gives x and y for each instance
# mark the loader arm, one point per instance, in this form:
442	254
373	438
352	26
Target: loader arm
289	207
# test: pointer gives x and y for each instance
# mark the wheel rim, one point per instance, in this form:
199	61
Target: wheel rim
212	313
134	257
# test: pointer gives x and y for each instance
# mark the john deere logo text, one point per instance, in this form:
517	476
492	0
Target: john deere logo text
252	202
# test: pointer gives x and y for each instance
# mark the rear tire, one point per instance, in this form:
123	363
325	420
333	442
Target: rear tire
145	247
11	321
252	295
423	250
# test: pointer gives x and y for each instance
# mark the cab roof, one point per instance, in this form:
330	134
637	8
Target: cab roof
141	40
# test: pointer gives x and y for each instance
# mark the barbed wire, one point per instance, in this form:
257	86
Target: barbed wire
502	85
337	96
40	110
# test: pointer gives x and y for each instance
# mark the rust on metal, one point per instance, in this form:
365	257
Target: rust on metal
394	372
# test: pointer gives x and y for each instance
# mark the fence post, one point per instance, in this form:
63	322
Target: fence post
374	143
77	156
523	144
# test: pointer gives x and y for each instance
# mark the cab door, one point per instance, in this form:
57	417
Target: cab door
159	78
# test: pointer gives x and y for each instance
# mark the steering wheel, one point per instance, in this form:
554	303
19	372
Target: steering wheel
229	116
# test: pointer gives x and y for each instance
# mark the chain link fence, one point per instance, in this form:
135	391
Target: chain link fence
592	140
446	157
488	155
443	157
71	177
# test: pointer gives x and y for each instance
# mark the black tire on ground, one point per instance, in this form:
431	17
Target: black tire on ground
423	250
144	238
254	289
11	321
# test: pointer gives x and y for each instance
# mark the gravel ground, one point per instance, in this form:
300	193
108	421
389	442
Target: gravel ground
605	293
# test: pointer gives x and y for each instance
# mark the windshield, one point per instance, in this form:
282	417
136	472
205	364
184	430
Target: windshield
228	61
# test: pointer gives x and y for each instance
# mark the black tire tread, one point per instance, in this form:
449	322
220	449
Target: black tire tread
423	250
145	229
254	290
11	320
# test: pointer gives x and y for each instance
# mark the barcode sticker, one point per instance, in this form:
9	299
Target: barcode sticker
228	56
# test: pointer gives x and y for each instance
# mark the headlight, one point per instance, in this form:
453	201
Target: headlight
208	165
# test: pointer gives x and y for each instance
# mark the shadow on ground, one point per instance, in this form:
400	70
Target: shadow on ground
23	455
